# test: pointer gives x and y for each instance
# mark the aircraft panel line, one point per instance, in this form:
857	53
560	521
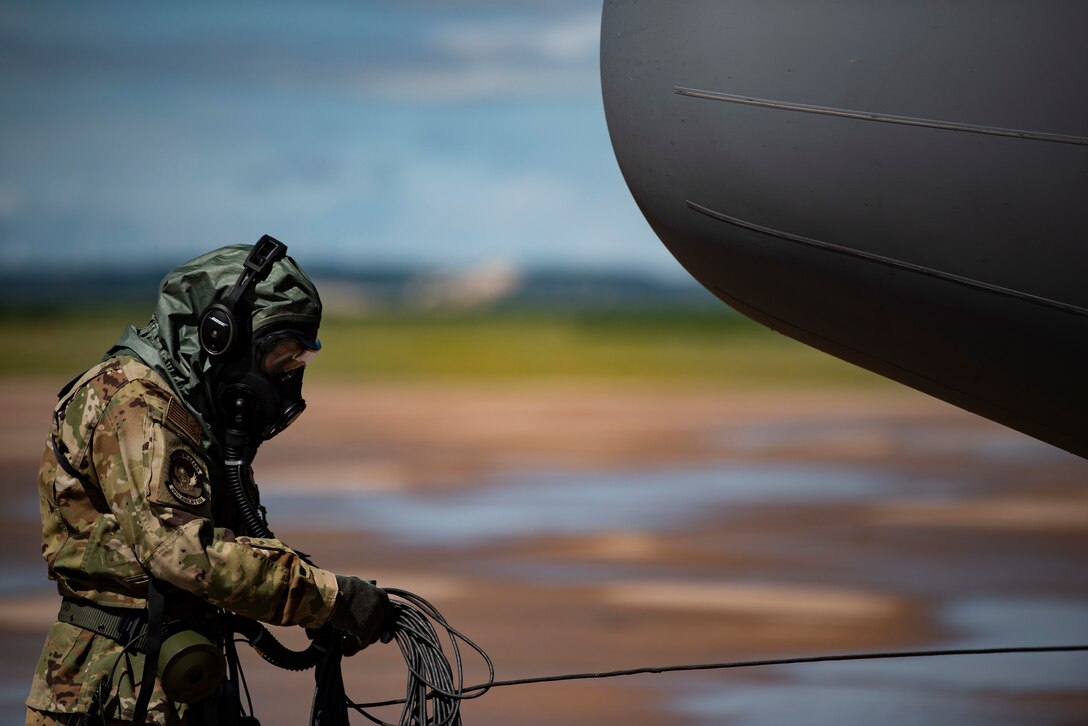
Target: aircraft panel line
888	261
882	117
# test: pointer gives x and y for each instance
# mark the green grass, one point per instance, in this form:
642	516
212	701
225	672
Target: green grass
682	346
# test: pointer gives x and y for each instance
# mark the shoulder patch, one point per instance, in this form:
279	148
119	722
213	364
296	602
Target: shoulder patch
179	419
187	479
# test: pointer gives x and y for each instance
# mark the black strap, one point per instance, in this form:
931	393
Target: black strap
69	385
156	611
60	450
329	703
98	500
61	453
258	262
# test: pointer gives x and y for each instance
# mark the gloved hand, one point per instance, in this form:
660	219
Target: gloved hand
362	610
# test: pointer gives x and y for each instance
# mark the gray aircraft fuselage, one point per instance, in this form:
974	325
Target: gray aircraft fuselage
903	185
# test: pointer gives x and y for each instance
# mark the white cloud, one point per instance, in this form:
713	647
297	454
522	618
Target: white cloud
572	39
521	58
568	39
480	81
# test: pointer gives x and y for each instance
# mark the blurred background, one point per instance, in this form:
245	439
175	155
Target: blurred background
434	135
525	410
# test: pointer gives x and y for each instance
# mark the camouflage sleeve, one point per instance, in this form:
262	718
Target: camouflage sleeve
155	479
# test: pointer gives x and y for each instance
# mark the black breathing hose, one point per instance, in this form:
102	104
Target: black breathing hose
238	475
273	651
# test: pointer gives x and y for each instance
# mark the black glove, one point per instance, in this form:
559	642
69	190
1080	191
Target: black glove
362	609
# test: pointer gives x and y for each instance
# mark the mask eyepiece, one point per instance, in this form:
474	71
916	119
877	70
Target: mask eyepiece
285	353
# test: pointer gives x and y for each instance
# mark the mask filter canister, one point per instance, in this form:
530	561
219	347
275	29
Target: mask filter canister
191	668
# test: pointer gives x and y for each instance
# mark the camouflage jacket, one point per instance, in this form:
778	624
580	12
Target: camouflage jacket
147	511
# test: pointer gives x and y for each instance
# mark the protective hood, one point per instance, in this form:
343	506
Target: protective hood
169	342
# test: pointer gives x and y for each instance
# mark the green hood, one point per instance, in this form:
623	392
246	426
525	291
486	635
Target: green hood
169	342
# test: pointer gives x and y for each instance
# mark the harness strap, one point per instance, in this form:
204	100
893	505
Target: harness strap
156	611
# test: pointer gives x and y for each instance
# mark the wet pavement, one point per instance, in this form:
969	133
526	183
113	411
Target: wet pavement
519	504
571	530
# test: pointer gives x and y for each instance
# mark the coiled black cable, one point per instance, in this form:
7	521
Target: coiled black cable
435	687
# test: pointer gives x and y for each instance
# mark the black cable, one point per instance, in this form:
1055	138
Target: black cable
431	678
230	693
329	707
782	661
242	675
478	690
108	683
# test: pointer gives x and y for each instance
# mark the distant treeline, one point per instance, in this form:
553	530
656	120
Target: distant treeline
387	289
669	345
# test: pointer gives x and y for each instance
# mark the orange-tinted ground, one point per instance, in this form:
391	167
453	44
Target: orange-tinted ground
571	528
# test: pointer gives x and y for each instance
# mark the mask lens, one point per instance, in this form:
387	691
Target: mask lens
286	356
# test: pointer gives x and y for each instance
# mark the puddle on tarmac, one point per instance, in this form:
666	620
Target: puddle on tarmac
829	704
981	444
566	502
25	579
953	690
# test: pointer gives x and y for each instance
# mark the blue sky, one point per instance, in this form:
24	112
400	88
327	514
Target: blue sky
445	134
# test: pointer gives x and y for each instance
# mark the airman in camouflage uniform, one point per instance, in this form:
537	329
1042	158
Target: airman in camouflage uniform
139	431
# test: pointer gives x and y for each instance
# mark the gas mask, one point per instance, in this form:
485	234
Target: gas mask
260	394
255	376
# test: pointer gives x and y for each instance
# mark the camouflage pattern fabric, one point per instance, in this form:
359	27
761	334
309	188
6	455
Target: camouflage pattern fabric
41	718
147	511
